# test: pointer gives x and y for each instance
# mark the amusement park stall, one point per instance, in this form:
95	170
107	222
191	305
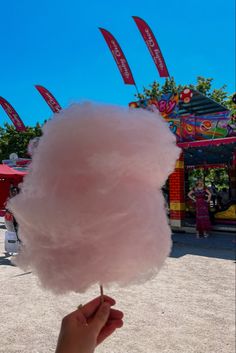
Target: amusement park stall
8	177
204	155
206	132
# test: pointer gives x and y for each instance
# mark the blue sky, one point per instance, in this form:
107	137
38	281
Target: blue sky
57	44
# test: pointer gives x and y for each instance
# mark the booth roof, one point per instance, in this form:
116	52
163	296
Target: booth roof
6	171
212	152
200	105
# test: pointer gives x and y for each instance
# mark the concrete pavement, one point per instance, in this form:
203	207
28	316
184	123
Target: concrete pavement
188	308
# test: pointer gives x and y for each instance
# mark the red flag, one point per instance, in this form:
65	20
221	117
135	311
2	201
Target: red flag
152	45
13	115
119	57
49	98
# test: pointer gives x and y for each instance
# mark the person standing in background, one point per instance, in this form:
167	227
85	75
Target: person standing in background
202	196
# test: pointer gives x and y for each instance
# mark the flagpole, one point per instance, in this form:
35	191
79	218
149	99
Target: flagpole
136	89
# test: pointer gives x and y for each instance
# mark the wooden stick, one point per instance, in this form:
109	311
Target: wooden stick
101	292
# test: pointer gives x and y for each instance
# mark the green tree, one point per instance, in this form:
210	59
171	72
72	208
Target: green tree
218	176
16	141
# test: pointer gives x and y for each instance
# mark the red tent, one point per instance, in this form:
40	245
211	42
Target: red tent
8	177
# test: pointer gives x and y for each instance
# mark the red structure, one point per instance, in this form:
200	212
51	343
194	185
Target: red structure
8	177
224	151
232	175
176	194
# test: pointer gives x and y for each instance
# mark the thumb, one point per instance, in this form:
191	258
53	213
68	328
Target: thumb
101	317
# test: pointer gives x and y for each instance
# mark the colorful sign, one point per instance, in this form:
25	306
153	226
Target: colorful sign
186	95
214	126
167	105
152	45
175	127
119	57
190	127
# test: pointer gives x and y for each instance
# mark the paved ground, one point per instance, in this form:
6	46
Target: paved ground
188	308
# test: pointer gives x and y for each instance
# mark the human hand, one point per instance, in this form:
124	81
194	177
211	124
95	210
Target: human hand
83	329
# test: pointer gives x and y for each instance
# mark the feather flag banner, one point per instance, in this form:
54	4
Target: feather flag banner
152	45
13	115
95	180
49	98
119	57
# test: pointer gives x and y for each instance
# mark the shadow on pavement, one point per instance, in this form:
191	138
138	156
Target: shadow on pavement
221	246
23	274
182	250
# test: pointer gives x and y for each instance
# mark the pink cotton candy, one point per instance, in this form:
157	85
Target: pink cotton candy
91	209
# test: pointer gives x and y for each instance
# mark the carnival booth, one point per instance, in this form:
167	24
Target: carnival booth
8	177
215	162
206	132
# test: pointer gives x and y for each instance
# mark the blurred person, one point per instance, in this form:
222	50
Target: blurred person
201	196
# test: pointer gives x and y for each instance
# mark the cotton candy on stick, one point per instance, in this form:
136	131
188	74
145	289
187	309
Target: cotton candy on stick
91	208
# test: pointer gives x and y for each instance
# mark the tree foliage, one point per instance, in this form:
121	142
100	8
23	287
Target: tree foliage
12	141
218	176
203	85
